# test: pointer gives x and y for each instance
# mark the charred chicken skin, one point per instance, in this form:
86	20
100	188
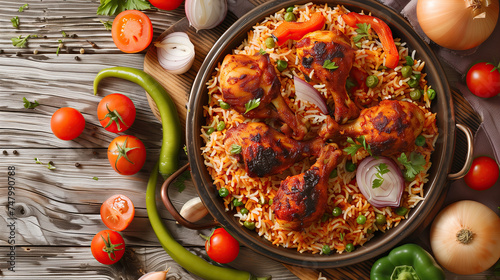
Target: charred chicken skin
244	78
390	128
266	151
302	199
333	47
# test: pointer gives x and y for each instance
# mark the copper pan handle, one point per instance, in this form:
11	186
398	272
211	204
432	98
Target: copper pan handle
171	208
470	150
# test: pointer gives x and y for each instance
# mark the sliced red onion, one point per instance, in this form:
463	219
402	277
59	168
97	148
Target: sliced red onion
205	14
391	190
306	92
175	52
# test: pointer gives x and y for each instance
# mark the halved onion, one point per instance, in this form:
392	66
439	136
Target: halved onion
205	14
175	52
306	92
391	190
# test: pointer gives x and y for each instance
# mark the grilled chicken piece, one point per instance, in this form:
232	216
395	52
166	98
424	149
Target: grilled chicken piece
265	151
319	46
302	199
390	128
244	78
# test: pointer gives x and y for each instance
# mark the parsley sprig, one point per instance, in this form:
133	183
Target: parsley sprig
114	7
354	147
252	104
235	149
49	165
30	105
414	164
21	9
330	65
15	21
381	170
362	31
20	42
180	182
107	24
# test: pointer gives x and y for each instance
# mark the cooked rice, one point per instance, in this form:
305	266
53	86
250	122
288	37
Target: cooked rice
257	193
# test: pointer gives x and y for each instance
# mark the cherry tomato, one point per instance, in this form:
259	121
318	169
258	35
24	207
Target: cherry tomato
67	123
166	4
126	154
221	246
117	212
483	79
132	31
116	112
483	173
107	246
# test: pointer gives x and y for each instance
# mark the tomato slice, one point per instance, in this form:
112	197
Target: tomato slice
132	31
117	212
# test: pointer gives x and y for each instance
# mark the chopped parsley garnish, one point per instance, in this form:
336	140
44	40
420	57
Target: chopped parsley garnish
262	52
107	24
330	65
21	9
362	31
252	104
19	42
114	7
28	104
64	34
15	21
235	149
414	165
341	236
49	165
59	47
354	147
180	182
382	169
95	178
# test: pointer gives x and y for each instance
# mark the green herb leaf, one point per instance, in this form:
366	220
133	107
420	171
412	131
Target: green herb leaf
180	182
15	21
252	104
185	149
382	169
28	104
330	65
262	52
49	165
107	24
235	149
341	236
19	42
21	9
414	165
95	178
114	7
64	34
354	147
61	44
362	31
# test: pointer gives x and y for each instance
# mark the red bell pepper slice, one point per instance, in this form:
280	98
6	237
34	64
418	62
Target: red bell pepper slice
383	31
297	30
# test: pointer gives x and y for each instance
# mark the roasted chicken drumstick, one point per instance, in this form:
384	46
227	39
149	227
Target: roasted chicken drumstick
301	199
334	48
265	151
244	78
390	128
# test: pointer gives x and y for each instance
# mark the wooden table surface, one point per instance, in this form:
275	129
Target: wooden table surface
56	212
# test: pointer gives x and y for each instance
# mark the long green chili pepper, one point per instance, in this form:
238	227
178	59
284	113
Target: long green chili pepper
172	134
181	255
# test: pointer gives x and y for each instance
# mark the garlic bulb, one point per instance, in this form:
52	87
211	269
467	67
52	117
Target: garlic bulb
205	14
193	210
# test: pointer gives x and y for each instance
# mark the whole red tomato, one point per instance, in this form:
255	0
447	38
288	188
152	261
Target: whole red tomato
117	212
483	79
483	173
126	154
166	4
116	112
221	246
67	123
107	247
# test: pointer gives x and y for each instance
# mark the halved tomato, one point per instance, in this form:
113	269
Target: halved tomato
117	212
132	31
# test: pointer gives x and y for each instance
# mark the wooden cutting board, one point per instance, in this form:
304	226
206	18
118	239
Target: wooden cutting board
179	87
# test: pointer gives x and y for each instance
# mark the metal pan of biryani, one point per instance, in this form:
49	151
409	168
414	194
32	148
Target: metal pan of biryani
324	143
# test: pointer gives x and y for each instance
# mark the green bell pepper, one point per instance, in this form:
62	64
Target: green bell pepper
407	262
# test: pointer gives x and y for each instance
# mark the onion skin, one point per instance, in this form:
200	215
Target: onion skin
481	253
452	23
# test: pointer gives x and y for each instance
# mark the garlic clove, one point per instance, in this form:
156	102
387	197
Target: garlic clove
193	210
156	275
